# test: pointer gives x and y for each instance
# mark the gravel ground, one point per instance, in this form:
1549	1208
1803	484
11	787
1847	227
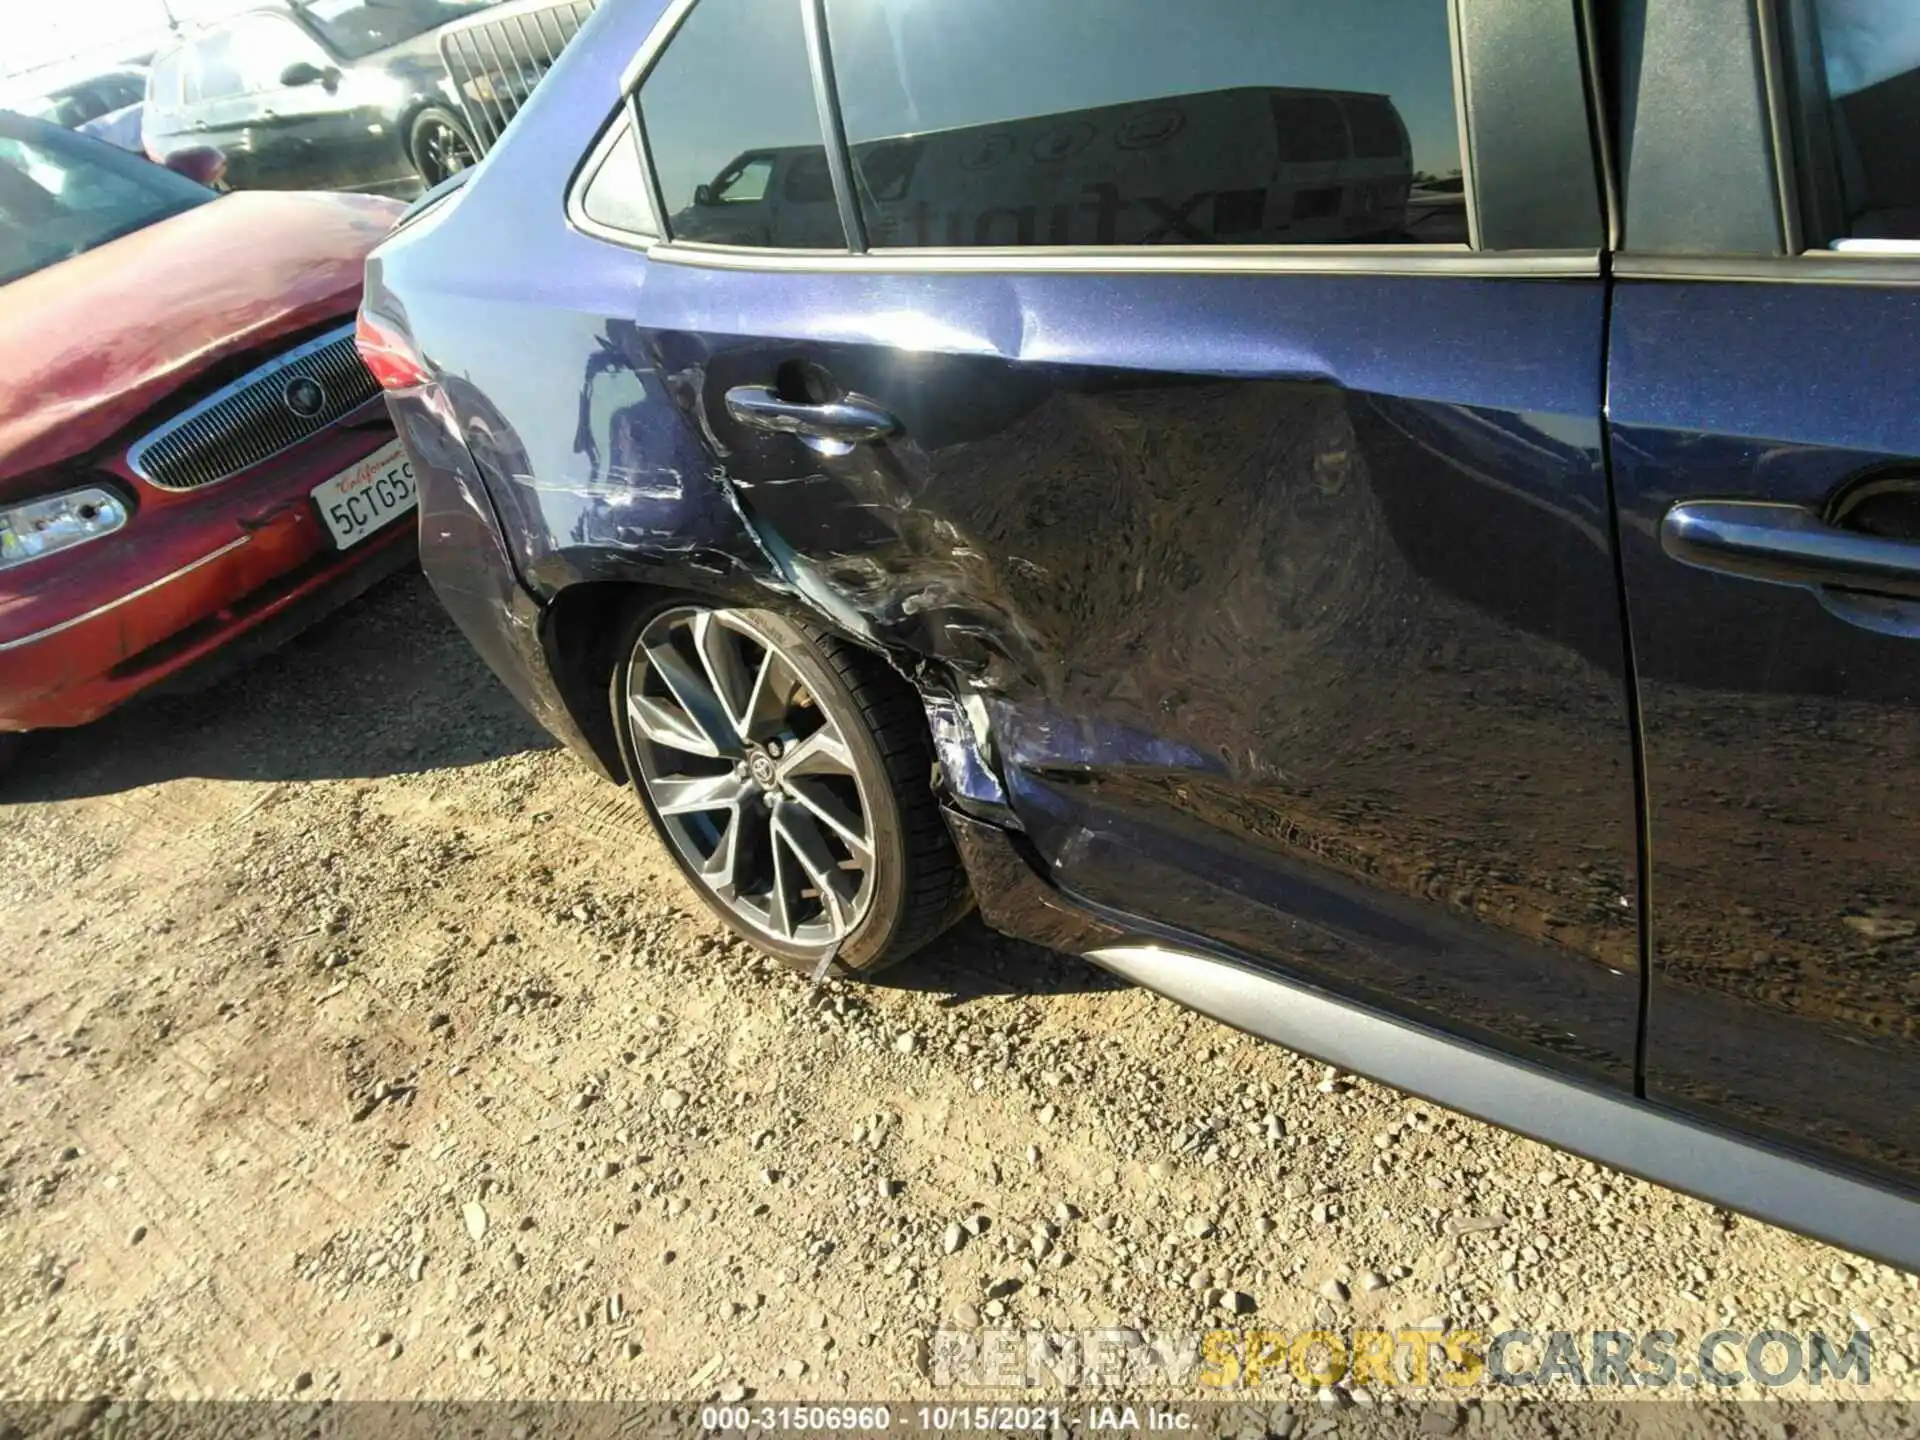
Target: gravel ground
361	1045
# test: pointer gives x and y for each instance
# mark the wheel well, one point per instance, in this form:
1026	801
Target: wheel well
581	632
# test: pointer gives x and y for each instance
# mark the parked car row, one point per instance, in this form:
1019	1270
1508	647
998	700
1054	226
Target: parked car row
375	96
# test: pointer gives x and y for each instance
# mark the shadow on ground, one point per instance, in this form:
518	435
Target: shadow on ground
385	686
971	962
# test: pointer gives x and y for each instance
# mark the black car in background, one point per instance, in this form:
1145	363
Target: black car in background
320	95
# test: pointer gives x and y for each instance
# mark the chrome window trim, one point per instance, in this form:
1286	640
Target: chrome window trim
1451	260
1779	133
1597	122
663	31
1456	42
131	595
624	124
833	125
1809	267
138	451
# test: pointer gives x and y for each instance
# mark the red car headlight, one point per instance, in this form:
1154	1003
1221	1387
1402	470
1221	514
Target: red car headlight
52	523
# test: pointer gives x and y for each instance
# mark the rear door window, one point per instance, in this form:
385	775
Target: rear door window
728	109
1858	65
1137	122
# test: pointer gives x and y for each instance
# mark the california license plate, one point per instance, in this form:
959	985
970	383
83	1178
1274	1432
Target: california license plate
357	502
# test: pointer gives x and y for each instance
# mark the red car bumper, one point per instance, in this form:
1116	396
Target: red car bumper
190	575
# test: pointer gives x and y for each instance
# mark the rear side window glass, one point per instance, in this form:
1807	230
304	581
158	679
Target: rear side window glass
729	116
1861	61
617	193
1138	122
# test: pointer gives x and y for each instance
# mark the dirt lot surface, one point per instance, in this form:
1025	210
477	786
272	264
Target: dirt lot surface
360	1044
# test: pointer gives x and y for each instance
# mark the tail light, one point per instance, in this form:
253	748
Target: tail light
387	352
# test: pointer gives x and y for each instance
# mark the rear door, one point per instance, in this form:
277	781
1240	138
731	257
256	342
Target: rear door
1276	579
1766	451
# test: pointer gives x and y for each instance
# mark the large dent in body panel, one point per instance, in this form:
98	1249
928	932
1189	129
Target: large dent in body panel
1307	617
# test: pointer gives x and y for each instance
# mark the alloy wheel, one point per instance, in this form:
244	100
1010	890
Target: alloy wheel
750	776
444	151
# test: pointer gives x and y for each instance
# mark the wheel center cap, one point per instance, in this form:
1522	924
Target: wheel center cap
761	764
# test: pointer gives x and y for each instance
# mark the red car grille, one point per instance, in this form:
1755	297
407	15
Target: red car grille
266	411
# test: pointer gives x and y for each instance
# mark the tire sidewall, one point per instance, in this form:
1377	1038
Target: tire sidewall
874	935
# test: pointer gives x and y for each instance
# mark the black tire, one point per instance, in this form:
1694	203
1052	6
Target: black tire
11	743
919	885
439	144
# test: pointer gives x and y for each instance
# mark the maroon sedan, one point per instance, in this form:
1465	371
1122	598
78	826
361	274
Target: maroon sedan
193	460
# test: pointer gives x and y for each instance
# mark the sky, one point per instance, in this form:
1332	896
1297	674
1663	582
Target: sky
43	32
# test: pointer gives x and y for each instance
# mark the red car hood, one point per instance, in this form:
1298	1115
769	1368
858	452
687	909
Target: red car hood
89	344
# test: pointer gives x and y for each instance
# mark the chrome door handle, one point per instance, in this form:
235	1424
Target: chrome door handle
849	420
1788	545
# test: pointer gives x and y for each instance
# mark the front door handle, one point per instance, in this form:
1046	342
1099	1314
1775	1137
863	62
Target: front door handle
1789	545
846	421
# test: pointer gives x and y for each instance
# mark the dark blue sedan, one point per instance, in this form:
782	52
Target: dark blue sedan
1396	523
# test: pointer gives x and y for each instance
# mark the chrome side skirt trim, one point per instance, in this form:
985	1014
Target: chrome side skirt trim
1615	1130
147	589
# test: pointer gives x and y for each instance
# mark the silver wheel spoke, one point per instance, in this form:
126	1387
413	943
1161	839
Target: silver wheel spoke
703	706
807	845
720	869
772	693
785	890
821	753
719	650
668	726
825	807
691	794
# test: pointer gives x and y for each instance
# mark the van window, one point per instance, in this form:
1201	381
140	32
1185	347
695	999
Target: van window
728	110
163	82
215	74
1138	122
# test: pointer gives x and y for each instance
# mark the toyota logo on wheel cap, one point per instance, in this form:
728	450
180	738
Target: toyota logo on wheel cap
305	396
